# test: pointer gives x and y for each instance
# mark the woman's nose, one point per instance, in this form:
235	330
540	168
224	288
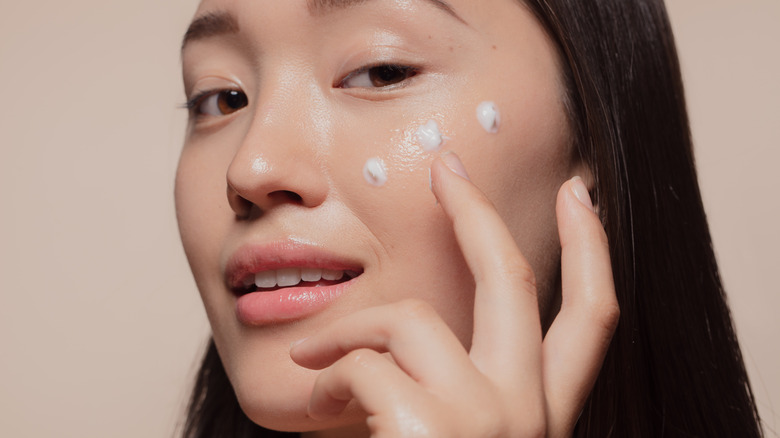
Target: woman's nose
277	164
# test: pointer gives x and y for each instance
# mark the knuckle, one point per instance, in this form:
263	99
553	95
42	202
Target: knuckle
417	422
493	414
532	425
417	309
536	430
519	273
609	316
605	312
487	423
481	201
595	235
362	358
535	427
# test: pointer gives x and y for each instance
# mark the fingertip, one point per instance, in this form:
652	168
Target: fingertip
577	216
446	163
434	176
295	355
302	354
325	407
580	192
448	177
453	163
295	352
574	206
297	343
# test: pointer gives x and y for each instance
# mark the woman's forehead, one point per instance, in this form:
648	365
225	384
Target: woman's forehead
455	8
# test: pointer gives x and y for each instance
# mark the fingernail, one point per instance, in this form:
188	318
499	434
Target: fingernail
430	185
298	342
453	162
581	192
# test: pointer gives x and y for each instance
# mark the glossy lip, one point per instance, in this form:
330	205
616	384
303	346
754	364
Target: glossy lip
289	303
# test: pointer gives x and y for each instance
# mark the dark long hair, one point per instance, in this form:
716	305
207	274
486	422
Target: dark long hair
674	367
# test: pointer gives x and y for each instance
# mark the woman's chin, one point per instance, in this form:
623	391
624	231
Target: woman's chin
289	414
282	404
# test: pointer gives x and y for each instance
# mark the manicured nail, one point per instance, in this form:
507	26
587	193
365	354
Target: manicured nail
581	192
453	162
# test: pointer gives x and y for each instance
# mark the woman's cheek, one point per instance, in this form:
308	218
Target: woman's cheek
395	200
406	156
395	168
204	218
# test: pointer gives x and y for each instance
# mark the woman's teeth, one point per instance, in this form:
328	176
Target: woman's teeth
293	276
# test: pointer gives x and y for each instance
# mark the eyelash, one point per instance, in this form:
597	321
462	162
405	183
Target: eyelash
195	100
193	104
408	71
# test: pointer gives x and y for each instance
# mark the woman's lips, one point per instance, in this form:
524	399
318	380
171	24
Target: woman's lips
286	281
286	304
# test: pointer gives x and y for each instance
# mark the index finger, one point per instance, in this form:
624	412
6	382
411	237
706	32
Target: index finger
506	344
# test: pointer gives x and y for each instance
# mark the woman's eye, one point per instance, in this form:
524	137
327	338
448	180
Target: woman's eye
220	103
378	77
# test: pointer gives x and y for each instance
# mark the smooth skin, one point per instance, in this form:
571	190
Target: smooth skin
455	293
511	383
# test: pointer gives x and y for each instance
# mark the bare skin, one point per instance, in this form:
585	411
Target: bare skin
435	387
456	279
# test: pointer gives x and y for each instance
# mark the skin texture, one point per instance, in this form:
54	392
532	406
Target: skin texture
291	161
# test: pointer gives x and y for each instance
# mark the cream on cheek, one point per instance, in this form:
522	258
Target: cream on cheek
489	117
374	172
428	138
407	154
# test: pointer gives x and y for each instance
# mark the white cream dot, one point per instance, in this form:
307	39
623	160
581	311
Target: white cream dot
374	172
488	116
429	136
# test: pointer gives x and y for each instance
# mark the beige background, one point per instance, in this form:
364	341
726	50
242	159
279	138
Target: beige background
100	323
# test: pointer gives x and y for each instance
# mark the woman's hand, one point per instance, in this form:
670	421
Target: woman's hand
511	383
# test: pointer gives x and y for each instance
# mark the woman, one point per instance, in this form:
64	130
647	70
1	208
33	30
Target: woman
352	233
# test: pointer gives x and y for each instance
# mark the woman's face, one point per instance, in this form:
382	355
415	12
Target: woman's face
290	100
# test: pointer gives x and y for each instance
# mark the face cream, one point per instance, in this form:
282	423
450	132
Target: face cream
488	116
374	172
429	136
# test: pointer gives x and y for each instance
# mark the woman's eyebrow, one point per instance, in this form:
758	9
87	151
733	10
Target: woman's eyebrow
209	25
221	23
319	7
